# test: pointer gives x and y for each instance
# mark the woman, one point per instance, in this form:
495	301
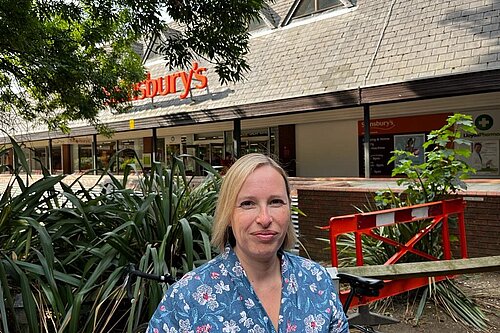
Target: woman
253	285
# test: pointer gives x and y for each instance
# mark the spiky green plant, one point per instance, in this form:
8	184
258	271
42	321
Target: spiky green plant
65	248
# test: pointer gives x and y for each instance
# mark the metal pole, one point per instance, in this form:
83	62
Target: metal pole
359	248
49	161
154	148
366	144
94	153
446	237
237	138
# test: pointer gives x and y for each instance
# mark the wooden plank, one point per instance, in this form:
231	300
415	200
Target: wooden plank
426	269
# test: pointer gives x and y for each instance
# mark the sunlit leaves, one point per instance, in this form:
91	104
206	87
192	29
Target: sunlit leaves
445	167
67	60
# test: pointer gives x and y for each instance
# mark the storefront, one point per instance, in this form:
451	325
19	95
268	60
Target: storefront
216	148
315	80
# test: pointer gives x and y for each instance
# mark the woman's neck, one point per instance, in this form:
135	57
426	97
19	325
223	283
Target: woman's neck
261	270
265	278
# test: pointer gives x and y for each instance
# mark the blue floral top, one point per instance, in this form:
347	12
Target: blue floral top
218	297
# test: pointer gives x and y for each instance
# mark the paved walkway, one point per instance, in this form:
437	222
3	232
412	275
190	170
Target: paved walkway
474	186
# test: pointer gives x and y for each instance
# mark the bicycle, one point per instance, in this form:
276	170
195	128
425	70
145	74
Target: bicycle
364	320
360	286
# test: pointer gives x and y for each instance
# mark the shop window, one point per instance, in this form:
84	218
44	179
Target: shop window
172	150
40	157
259	140
209	147
85	161
56	159
130	152
105	151
160	150
308	7
6	159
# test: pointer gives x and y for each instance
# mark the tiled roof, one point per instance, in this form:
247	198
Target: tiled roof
419	39
374	43
282	8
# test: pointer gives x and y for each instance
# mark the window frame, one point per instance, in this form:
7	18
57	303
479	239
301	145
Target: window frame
316	10
347	4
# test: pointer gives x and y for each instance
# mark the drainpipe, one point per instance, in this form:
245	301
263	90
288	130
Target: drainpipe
366	108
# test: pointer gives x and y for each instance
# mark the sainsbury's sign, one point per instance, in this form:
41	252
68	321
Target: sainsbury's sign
167	84
396	125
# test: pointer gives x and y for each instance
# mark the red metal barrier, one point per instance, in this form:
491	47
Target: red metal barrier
366	224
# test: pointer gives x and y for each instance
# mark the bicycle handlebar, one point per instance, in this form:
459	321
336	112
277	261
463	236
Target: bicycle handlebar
132	272
360	286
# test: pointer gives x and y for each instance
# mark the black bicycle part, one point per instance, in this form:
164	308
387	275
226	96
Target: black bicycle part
364	329
360	286
133	273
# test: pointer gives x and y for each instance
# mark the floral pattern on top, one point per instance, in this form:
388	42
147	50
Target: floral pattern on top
218	297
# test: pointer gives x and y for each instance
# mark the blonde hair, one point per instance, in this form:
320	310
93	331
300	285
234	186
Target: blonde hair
231	186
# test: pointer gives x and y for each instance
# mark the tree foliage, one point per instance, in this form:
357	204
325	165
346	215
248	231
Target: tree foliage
444	170
64	60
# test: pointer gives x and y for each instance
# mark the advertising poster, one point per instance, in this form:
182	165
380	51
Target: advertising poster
381	147
387	134
484	157
411	143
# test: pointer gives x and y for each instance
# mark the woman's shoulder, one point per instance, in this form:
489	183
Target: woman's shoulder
306	267
302	261
206	274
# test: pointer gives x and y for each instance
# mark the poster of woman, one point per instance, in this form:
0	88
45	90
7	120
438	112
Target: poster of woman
411	143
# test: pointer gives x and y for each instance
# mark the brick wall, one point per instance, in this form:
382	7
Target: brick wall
482	218
482	223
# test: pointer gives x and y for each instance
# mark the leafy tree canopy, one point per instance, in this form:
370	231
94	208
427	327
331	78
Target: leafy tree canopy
63	60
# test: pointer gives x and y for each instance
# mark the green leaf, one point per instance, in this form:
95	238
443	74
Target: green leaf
188	241
421	305
29	304
59	276
8	300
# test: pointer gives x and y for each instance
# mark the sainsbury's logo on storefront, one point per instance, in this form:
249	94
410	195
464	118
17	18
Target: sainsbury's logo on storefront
410	124
167	84
383	125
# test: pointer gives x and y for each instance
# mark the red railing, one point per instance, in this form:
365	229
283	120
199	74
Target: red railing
367	223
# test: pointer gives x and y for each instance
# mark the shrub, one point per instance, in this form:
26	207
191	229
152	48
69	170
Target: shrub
65	248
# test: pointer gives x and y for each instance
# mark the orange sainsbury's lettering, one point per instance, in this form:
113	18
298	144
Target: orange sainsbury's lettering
200	77
168	84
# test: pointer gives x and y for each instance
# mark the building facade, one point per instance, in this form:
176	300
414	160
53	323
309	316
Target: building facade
321	72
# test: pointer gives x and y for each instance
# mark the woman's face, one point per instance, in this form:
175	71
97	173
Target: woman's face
261	216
